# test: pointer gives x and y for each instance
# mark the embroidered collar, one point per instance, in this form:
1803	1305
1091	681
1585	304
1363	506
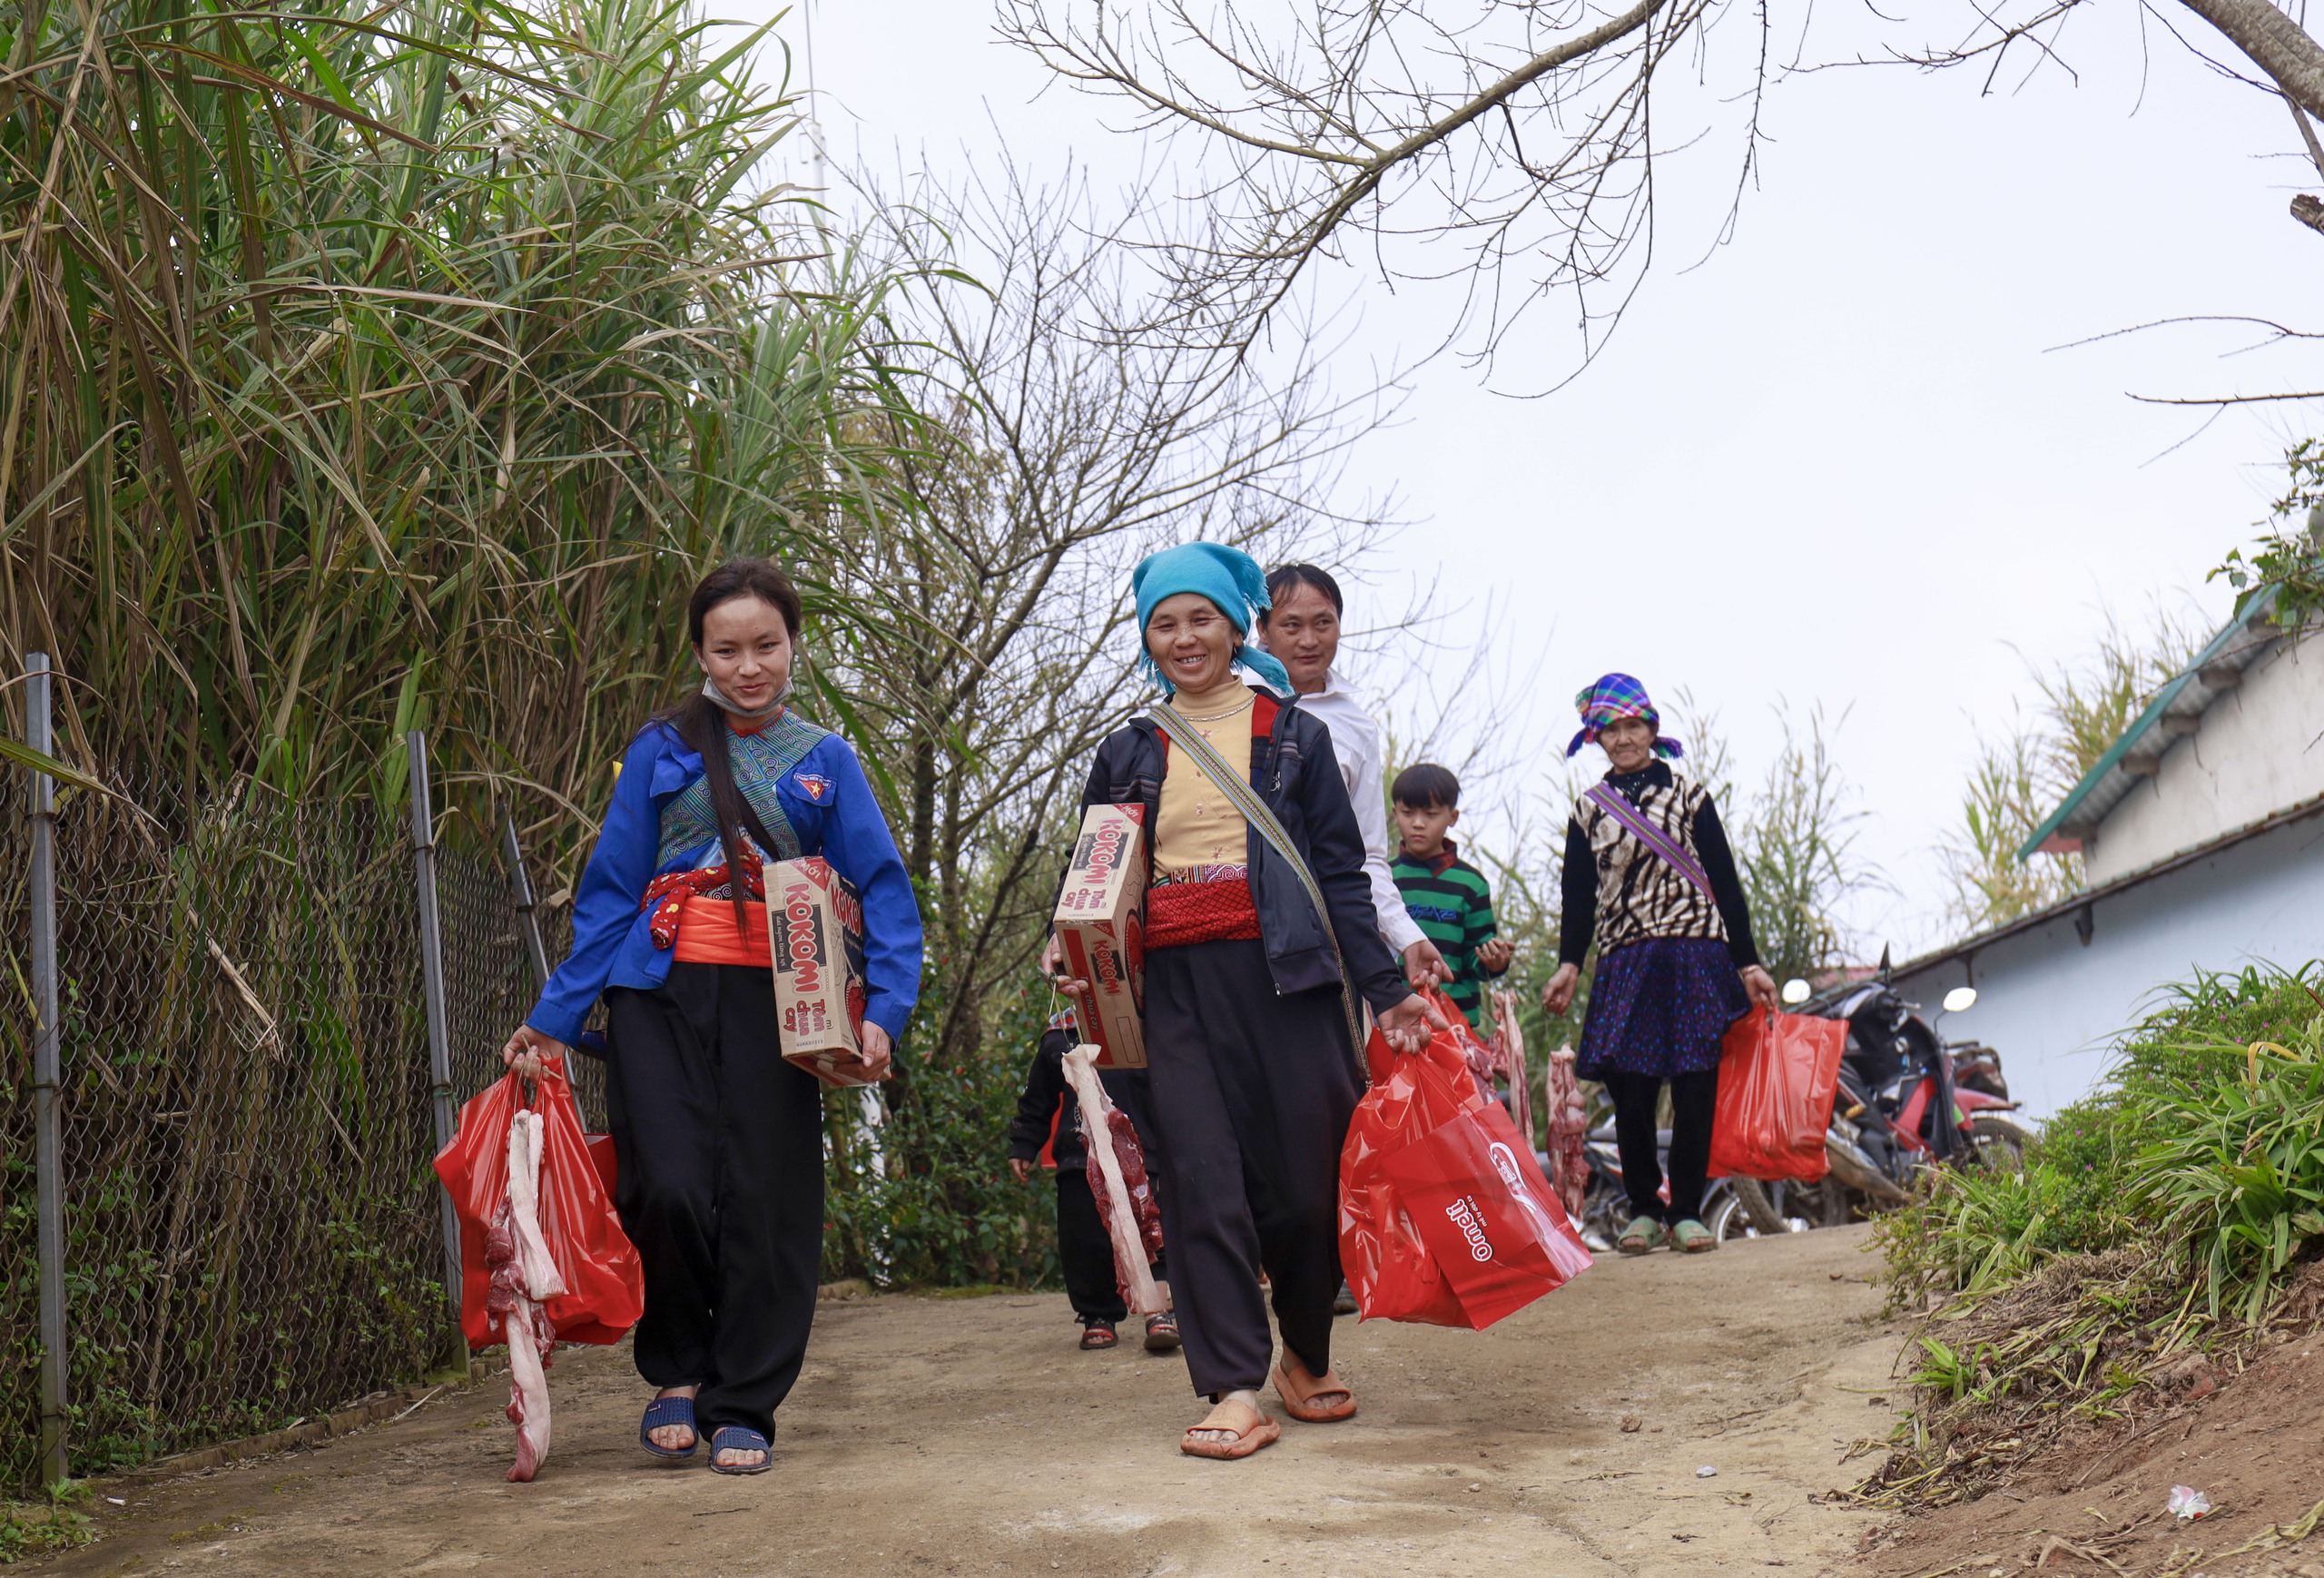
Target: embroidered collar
1634	785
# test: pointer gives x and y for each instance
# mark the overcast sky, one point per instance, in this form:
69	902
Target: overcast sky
1840	461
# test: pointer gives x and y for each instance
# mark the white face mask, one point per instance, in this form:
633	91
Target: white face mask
782	699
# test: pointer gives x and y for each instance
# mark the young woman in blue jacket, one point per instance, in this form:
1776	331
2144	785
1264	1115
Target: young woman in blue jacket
1252	1078
720	1140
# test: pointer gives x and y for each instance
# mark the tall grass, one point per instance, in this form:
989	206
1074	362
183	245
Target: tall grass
365	367
2024	771
361	368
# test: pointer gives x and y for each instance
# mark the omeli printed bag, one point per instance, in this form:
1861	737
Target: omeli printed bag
1497	1230
1389	1269
1444	1215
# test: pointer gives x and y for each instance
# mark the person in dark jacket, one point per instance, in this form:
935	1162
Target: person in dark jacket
1650	879
1048	1128
1252	1077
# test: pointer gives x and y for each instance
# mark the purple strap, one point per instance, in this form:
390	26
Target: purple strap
1610	799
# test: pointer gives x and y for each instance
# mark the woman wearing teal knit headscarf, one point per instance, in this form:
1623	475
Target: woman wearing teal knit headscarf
1251	1077
1227	578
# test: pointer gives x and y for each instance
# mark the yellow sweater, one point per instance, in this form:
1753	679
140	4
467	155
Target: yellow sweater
1198	826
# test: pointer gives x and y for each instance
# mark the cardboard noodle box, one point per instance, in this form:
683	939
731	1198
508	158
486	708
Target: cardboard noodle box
815	923
1101	921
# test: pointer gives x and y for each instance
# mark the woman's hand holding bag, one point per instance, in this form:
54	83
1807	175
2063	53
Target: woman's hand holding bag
527	1050
1410	1026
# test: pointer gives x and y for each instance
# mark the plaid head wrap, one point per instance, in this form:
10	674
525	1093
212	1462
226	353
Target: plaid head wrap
1618	695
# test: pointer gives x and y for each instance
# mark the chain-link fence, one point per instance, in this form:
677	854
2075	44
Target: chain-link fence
251	1225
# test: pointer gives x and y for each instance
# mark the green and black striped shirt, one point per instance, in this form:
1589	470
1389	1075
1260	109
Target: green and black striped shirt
1452	903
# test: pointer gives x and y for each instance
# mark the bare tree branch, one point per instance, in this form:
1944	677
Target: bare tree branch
2307	135
1517	131
2230	400
1067	447
2275	43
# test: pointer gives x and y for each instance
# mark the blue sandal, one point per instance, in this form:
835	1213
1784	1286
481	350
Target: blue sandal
662	1413
740	1438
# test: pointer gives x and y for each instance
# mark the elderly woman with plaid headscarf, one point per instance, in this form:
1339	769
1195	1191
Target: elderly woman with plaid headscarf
1650	879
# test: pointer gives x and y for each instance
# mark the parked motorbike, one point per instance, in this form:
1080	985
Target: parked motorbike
1606	1204
1907	1101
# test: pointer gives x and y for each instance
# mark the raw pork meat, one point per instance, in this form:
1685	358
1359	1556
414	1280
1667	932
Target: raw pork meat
1117	1178
1509	1058
1473	1050
1131	1154
1569	1136
524	1278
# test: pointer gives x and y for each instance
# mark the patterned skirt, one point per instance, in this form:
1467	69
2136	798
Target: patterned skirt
1659	1007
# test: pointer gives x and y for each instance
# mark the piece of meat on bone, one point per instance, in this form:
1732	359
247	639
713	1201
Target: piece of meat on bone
1131	1153
1114	1153
1508	1046
523	1277
1569	1136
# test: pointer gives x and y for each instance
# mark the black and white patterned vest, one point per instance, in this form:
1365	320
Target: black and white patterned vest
1639	894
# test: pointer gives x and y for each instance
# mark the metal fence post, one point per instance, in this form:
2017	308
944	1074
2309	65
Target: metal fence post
521	884
440	1029
56	1456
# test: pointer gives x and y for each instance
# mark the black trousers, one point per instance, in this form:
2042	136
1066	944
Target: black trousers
1251	1096
1085	1250
1694	1098
721	1144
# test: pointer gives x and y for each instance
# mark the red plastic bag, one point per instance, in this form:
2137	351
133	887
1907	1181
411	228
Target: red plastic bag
605	1287
1444	1215
1777	1075
1392	1274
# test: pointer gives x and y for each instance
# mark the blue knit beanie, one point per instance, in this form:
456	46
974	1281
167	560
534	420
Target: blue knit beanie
1233	582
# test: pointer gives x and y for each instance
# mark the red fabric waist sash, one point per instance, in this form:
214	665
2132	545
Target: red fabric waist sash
1179	913
706	934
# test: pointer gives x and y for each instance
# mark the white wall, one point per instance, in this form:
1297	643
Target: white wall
2257	751
2052	1006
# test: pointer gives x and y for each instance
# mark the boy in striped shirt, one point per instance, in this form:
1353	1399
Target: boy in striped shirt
1448	897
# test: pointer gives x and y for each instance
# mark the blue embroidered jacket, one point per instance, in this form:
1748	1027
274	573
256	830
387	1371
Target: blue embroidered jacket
827	803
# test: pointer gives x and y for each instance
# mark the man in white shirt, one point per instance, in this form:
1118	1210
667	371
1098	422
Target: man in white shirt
1302	629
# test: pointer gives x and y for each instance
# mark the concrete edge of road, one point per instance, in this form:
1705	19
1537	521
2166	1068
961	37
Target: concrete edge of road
320	1428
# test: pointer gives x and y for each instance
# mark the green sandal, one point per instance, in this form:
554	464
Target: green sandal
1693	1237
1642	1236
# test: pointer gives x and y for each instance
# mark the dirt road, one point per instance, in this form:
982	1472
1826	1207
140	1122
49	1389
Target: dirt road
968	1436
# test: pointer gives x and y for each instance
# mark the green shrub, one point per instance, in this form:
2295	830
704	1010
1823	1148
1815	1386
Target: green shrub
2241	1173
941	1209
2160	1149
2160	1216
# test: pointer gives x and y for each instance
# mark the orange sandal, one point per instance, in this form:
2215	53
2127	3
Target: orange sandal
1252	1430
1294	1385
